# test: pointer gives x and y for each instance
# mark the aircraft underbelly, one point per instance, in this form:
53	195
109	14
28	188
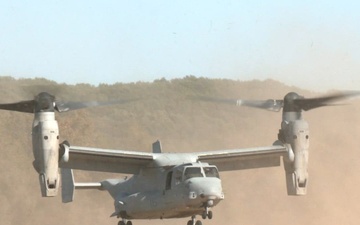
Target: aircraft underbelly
160	206
153	205
166	213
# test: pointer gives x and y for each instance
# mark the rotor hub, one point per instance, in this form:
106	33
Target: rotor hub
290	102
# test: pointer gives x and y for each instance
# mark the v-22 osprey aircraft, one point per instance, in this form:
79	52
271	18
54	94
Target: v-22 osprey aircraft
166	185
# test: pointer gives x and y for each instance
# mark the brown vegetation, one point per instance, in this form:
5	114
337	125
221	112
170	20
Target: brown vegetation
165	112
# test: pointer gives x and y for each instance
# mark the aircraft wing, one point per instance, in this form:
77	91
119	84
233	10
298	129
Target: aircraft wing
105	160
239	159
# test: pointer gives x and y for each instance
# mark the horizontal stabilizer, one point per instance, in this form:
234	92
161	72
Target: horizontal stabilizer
88	186
69	186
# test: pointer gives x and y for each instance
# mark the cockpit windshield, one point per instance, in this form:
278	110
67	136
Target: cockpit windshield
211	172
191	172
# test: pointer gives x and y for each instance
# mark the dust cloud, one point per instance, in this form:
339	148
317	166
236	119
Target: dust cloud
252	197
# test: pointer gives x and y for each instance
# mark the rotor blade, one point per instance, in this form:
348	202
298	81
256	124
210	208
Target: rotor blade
24	106
68	106
312	103
270	104
218	100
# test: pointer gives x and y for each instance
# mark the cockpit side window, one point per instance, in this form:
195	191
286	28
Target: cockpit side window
178	176
211	172
191	172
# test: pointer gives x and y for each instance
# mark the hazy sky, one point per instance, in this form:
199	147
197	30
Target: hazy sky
311	44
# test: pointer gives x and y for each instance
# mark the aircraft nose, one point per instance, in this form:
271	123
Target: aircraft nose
205	188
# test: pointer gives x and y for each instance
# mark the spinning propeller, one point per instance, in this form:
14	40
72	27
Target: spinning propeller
292	102
294	132
47	150
45	102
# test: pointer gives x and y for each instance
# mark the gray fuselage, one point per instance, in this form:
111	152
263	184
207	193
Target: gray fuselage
176	192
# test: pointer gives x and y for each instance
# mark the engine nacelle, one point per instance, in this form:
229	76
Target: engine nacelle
46	152
295	135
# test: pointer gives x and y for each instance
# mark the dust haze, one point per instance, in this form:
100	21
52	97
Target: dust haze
165	112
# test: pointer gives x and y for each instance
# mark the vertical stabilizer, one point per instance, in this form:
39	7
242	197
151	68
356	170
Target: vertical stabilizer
68	185
156	147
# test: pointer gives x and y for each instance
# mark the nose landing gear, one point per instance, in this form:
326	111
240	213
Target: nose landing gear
207	214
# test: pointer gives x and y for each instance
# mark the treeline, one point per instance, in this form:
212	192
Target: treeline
164	109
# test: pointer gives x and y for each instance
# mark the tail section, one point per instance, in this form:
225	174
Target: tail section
156	147
69	185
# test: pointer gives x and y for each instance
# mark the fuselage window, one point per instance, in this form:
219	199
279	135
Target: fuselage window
168	181
211	172
191	172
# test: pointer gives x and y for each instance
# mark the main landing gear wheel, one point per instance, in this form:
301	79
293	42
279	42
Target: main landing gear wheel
122	222
192	221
